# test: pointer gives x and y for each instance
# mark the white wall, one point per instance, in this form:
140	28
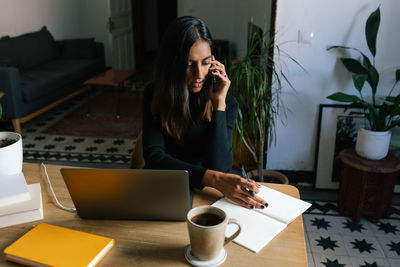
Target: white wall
63	18
93	16
22	16
227	19
331	22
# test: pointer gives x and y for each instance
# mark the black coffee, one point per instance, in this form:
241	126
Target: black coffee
207	219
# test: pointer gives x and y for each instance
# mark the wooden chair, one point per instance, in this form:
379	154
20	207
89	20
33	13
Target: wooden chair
137	160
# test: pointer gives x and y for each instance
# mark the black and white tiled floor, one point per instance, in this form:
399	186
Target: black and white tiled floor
78	149
334	240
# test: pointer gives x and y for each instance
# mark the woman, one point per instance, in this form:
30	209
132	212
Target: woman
187	124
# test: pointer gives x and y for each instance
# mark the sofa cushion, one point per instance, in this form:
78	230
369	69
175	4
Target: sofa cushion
30	49
4	63
78	48
3	51
44	79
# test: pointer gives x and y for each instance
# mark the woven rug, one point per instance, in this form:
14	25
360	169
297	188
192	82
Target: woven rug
335	240
66	135
101	120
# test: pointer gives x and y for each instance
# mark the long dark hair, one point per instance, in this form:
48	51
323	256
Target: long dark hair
171	96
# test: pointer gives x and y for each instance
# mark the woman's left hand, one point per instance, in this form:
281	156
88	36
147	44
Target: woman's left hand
221	85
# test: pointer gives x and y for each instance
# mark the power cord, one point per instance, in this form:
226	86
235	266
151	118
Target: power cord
54	195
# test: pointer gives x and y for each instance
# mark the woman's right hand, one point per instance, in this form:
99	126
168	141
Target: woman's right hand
222	84
235	188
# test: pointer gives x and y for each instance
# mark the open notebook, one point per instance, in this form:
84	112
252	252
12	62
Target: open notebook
260	226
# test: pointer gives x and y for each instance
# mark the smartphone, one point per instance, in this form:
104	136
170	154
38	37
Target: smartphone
212	80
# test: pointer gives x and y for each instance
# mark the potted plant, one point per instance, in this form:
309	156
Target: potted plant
10	151
373	141
256	82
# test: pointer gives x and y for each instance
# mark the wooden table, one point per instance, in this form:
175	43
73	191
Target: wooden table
112	78
155	243
366	186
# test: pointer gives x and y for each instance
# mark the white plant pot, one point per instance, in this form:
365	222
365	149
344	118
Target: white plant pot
372	145
11	156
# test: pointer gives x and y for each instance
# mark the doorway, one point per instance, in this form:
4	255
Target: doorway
120	29
150	20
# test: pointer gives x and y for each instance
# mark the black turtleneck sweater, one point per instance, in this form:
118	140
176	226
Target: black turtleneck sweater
207	145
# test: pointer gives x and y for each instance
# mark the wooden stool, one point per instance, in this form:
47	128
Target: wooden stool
366	186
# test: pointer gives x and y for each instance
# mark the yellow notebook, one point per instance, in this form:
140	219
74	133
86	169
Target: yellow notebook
52	245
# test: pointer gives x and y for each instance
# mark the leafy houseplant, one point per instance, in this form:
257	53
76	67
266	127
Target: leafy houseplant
382	117
5	141
256	83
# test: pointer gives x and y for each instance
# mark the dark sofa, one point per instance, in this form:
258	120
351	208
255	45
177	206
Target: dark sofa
37	72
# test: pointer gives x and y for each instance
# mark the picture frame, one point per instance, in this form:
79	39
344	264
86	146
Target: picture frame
336	130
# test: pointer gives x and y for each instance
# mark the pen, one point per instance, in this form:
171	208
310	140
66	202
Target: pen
244	174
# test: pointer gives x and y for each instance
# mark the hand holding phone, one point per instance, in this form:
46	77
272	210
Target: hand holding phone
212	80
219	83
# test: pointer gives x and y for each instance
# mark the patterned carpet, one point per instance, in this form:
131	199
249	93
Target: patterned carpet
334	240
62	146
101	121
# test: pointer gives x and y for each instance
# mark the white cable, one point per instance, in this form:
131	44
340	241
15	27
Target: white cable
54	195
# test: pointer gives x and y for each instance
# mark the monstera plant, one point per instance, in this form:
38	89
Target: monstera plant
373	141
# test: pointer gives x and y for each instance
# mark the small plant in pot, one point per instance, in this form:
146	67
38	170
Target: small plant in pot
373	141
10	151
4	141
256	83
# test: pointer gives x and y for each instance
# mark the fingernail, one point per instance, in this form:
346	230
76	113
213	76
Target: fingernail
258	185
262	207
251	192
266	204
252	207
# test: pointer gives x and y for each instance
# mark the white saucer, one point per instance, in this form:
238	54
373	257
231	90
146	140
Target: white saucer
211	263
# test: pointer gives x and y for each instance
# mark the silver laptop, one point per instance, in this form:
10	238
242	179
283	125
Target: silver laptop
129	194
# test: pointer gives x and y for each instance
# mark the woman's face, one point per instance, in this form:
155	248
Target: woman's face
198	65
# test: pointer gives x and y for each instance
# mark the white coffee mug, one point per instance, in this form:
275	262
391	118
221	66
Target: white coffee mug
207	225
11	155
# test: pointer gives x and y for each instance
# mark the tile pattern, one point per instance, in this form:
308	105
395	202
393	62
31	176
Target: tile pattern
335	240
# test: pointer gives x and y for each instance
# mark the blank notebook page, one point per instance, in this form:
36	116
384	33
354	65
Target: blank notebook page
257	229
281	207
